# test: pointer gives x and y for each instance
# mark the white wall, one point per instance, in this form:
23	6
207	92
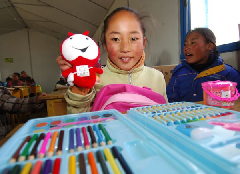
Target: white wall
164	36
39	62
232	58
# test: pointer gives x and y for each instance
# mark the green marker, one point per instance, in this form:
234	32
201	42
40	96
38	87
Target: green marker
15	170
105	133
25	151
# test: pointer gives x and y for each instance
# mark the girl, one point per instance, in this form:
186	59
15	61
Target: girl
202	64
123	37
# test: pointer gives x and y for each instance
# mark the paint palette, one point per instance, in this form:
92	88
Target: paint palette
103	142
207	136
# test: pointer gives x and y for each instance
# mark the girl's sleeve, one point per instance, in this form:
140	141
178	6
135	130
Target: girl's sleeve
172	90
77	103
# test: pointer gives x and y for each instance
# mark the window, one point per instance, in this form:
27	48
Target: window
221	16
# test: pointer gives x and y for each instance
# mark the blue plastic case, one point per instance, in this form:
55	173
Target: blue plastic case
218	153
143	152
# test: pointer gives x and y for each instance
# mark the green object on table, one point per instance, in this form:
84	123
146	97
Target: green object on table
25	151
105	133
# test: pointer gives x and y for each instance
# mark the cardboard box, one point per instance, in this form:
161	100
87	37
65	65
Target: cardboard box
166	70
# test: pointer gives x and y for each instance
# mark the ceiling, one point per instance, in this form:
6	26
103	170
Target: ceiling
53	17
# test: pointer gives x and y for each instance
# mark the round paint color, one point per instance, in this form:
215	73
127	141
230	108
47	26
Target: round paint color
95	117
42	124
56	122
69	120
107	115
39	130
82	118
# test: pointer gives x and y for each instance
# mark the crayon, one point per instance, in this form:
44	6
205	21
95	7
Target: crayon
102	162
99	135
37	167
122	161
16	154
85	138
47	167
105	133
34	149
26	169
26	149
92	163
72	165
60	142
111	161
15	170
81	164
52	144
79	140
93	138
71	140
56	166
42	150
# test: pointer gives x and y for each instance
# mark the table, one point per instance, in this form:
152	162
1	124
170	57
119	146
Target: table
56	103
19	91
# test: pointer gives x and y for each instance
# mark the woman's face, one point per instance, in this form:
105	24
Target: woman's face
196	49
124	40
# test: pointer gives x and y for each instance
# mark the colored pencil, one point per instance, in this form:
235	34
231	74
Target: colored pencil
122	161
60	142
37	167
15	170
99	135
79	140
34	149
85	121
111	161
105	133
71	141
56	166
42	151
92	163
47	167
102	162
16	154
72	165
5	171
24	154
26	169
93	138
52	144
82	164
85	138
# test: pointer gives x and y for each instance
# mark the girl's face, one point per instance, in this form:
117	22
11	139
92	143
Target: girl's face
196	49
124	40
14	77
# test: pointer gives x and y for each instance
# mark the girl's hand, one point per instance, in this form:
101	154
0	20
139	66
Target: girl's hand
39	97
63	64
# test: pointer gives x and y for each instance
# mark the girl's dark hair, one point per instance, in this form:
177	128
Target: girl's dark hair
128	9
208	35
17	74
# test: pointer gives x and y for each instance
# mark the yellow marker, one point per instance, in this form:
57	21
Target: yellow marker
111	161
72	165
26	168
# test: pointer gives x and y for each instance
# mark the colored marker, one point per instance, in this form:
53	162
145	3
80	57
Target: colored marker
102	162
52	144
60	142
72	165
71	140
56	166
47	167
34	149
26	169
81	164
105	133
16	154
93	138
79	140
122	161
15	170
99	135
85	138
92	163
37	167
42	151
111	161
26	149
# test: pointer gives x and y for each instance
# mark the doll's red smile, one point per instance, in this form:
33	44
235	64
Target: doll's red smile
83	49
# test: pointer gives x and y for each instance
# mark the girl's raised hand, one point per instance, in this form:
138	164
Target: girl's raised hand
64	65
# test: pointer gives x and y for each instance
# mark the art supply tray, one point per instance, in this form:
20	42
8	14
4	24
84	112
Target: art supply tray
138	151
205	135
